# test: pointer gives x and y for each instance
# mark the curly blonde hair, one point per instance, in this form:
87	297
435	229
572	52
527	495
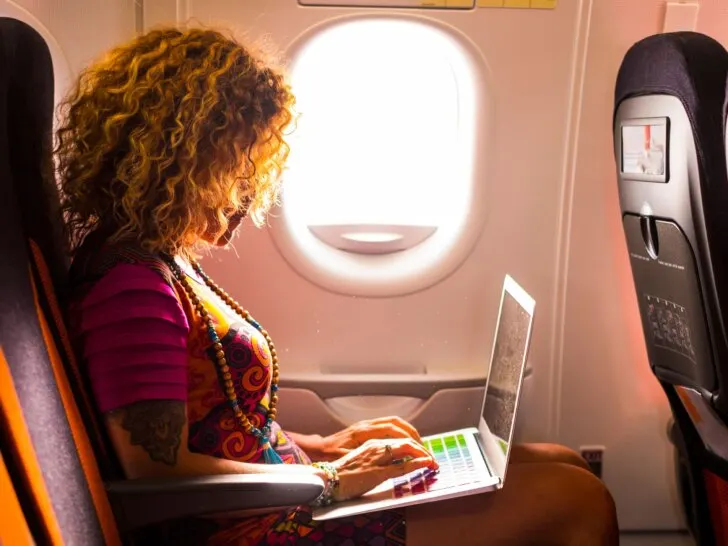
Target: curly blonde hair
169	136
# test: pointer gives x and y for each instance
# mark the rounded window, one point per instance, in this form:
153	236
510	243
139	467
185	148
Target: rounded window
384	186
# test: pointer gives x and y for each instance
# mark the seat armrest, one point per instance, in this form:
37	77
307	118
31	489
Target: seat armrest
141	502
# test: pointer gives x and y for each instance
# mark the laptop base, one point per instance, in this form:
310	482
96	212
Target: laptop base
463	471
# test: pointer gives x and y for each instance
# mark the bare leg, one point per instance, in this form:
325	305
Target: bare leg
546	453
542	504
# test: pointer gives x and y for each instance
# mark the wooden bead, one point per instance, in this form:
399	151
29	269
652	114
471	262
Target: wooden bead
207	322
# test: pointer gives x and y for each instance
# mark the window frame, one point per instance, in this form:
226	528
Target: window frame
387	274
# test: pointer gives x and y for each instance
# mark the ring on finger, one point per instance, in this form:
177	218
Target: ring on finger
403	460
388	449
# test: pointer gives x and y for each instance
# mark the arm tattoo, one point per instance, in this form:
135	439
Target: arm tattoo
156	426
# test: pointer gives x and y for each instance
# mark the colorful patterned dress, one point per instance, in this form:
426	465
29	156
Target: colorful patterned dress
118	276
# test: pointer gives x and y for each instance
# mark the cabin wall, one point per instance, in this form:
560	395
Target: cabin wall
84	29
448	327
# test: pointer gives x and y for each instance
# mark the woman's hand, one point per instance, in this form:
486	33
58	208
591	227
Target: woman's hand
367	466
338	445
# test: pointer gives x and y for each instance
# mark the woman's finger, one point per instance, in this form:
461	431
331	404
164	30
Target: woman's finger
405	467
381	431
403	450
400	423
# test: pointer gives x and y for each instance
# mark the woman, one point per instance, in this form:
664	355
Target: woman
167	144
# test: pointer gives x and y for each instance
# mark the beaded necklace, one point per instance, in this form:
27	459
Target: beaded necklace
262	434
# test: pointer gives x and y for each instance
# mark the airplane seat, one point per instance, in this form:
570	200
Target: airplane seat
44	446
63	476
673	189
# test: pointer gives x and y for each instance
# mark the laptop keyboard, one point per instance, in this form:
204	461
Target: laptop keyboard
456	468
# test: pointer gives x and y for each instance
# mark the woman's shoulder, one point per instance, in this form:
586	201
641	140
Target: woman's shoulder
119	282
97	258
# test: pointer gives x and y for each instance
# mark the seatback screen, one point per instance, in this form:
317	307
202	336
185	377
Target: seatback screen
645	149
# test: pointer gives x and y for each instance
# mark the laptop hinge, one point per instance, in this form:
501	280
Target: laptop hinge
485	457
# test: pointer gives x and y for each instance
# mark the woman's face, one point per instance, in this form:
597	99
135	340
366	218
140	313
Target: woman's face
233	223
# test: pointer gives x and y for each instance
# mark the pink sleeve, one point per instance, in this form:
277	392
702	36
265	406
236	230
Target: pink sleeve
134	338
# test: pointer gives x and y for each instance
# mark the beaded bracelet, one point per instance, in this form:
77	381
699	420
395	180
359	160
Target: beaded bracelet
332	483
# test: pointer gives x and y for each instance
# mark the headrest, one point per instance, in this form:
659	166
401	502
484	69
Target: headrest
692	67
687	65
26	118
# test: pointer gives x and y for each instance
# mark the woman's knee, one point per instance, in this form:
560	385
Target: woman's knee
547	453
541	504
588	506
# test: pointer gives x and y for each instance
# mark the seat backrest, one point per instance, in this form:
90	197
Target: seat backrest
43	437
673	191
41	223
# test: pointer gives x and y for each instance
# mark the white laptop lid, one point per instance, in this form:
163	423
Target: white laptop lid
505	377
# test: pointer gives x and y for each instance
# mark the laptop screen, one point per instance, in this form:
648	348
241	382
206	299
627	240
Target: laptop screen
508	360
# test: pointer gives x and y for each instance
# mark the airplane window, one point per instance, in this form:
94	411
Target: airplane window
381	158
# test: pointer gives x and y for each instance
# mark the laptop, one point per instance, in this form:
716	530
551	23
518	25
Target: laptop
473	459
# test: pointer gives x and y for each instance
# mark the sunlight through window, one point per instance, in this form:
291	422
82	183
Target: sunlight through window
377	140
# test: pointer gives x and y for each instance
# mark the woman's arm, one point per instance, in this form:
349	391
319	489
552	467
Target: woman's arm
134	341
312	444
150	439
